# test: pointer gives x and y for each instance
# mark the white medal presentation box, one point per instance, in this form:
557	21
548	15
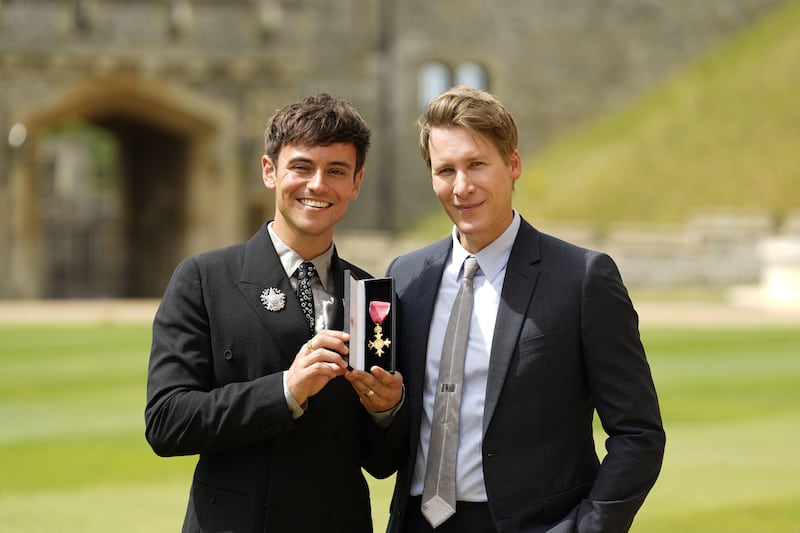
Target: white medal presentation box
369	318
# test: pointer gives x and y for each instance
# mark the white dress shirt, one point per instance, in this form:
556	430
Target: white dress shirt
323	300
488	283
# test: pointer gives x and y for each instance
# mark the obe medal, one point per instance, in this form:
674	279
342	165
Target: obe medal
378	311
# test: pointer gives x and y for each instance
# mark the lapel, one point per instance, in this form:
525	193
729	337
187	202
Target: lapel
337	289
262	269
522	273
419	311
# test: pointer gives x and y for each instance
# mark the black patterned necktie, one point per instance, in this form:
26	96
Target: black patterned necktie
305	272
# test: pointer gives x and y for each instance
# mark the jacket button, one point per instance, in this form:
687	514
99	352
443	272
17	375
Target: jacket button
228	355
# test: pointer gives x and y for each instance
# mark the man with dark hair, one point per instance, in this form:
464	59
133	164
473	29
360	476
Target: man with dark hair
246	366
512	340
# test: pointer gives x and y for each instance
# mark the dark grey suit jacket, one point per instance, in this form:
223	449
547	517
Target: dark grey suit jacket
215	389
566	344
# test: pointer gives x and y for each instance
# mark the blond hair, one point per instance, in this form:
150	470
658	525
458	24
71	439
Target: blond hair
475	110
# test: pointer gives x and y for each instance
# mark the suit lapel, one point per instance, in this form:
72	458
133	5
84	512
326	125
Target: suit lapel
522	273
337	289
262	269
423	300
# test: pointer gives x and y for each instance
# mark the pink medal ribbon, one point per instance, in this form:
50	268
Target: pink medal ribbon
378	311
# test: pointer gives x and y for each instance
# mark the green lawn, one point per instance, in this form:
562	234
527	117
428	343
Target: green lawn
73	456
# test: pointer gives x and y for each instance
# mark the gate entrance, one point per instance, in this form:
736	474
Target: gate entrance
119	180
111	208
80	213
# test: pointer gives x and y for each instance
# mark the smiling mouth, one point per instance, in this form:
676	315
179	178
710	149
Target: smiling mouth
314	203
466	207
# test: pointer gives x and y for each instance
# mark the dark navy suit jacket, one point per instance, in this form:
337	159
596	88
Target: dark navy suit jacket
566	344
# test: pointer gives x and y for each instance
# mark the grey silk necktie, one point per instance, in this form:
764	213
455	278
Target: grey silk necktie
439	491
305	272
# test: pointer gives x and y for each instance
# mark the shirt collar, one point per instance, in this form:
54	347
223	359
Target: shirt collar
494	257
290	259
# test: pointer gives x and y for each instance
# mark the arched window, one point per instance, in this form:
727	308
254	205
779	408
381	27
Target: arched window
434	79
472	75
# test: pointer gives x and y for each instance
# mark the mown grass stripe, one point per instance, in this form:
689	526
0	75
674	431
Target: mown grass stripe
72	433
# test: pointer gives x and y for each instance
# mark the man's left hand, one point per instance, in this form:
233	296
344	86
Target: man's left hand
378	389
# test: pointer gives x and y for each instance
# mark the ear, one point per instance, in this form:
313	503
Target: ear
357	184
515	163
268	172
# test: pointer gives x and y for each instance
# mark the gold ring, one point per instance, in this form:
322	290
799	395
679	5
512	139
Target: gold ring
369	393
310	345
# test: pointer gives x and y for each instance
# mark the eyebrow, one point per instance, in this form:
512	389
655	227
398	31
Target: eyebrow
341	164
301	159
450	162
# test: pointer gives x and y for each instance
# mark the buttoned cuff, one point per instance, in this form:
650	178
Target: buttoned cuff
295	408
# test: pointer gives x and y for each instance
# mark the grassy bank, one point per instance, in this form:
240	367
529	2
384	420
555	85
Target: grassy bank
720	133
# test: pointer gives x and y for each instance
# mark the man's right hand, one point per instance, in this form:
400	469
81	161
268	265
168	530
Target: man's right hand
317	362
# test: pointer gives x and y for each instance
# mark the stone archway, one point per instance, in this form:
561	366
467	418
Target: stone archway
172	176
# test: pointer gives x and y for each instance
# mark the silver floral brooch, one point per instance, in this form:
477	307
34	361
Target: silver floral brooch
273	299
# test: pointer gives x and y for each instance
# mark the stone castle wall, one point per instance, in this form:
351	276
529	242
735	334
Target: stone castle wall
190	82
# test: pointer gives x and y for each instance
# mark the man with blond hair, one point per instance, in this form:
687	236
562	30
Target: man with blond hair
512	341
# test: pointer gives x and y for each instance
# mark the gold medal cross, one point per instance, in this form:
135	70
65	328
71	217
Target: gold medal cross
379	343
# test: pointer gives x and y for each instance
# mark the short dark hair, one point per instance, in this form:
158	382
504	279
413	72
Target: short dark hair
317	120
478	111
